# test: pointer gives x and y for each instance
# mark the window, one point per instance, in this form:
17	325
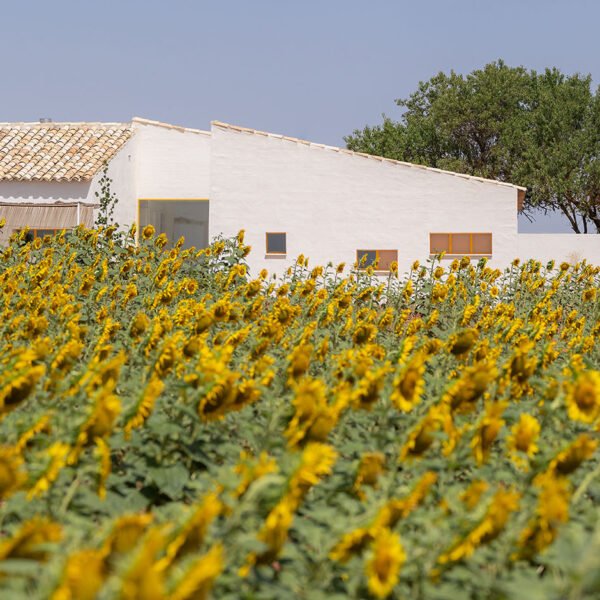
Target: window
176	218
40	233
44	217
460	243
33	233
276	243
380	260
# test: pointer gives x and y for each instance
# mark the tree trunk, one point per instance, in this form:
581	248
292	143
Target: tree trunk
572	218
593	215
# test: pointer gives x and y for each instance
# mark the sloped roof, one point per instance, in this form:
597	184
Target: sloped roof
142	121
228	126
58	151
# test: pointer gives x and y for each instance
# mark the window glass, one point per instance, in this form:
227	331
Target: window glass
386	258
177	218
461	243
482	243
42	232
366	258
439	242
33	232
276	243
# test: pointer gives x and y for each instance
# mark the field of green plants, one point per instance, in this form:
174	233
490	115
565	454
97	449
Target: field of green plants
175	426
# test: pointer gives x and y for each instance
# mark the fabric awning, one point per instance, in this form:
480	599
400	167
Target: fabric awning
44	215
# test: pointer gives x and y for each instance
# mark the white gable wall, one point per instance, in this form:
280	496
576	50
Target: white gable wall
331	203
172	162
163	162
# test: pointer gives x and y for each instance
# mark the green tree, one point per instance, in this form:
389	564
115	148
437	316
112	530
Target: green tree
559	164
507	123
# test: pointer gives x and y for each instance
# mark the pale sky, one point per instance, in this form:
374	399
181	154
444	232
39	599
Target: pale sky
314	69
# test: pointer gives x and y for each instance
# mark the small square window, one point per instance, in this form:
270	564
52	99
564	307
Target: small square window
276	243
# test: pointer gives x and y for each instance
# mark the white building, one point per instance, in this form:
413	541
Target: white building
290	196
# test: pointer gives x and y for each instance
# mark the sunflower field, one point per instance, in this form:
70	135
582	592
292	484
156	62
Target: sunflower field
173	425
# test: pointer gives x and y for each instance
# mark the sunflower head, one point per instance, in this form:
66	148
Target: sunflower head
583	397
148	232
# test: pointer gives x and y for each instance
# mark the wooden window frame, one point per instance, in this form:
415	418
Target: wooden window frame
267	234
35	231
377	269
470	234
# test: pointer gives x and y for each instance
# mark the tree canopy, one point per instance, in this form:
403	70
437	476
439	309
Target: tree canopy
539	130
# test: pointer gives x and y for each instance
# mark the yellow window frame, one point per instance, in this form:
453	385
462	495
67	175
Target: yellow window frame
470	234
377	256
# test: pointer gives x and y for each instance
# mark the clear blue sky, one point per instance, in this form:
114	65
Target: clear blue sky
315	69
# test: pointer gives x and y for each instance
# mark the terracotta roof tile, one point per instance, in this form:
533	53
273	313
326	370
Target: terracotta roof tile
58	151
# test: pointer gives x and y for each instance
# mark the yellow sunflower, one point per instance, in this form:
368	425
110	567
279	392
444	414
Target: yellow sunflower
383	568
522	438
583	397
409	384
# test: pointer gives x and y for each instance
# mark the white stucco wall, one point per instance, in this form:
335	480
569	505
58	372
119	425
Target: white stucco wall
331	203
172	162
122	170
569	247
159	161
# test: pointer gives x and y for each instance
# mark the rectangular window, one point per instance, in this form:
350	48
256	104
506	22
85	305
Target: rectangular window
176	218
45	217
380	260
33	233
276	243
40	233
461	244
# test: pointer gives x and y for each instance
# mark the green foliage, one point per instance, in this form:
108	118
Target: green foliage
539	130
107	199
72	345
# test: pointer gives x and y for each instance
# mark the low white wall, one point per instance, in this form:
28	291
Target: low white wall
331	203
561	247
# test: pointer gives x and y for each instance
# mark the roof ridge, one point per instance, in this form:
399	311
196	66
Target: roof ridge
168	125
49	124
363	154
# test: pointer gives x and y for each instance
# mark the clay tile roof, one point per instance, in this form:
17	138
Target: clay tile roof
58	151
